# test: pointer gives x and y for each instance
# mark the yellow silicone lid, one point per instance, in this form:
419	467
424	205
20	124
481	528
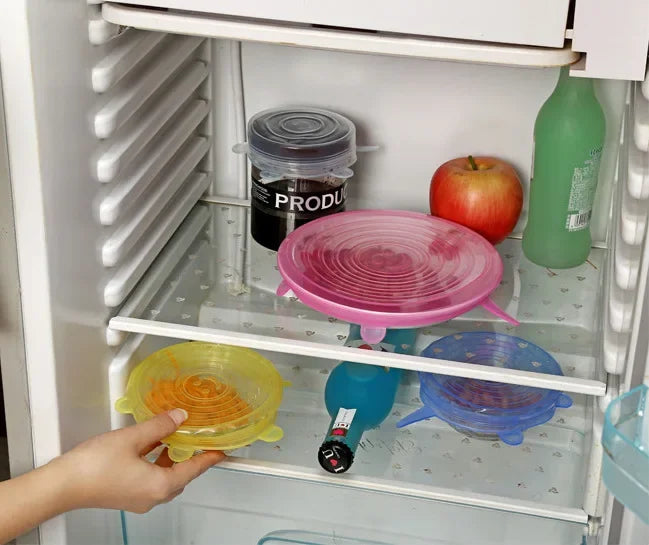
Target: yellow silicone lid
231	396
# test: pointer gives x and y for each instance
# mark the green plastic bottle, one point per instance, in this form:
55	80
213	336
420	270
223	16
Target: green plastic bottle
568	141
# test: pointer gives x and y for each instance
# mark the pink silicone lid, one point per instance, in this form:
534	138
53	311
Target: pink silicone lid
389	269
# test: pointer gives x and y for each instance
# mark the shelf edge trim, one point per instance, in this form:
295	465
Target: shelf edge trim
471	499
210	25
344	353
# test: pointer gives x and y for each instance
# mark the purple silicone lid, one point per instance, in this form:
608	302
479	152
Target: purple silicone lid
389	269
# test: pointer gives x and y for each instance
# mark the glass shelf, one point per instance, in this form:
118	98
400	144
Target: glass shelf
543	478
214	283
228	508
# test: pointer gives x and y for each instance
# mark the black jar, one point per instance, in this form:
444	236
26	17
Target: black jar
300	166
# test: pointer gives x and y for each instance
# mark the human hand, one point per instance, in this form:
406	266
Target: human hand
109	471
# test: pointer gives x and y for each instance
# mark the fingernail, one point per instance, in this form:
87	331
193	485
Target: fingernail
178	416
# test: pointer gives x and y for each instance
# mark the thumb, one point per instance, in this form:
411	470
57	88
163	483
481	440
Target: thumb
159	427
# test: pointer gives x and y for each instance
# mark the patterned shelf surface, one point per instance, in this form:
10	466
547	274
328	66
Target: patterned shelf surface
543	477
547	469
223	280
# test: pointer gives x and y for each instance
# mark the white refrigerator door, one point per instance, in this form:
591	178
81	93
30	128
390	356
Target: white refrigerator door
106	160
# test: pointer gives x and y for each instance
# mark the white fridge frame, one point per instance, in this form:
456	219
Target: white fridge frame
47	320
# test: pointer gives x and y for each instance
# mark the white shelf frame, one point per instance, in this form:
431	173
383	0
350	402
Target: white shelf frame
344	353
212	26
118	374
316	475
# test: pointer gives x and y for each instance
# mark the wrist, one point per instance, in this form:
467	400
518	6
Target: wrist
63	486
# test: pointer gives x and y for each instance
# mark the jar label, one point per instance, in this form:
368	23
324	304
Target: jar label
582	192
304	203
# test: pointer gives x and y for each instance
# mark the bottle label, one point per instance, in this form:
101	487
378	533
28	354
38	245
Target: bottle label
343	422
582	192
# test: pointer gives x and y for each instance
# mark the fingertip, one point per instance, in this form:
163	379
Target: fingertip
157	428
178	416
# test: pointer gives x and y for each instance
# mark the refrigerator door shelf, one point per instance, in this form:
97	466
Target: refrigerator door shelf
220	287
626	450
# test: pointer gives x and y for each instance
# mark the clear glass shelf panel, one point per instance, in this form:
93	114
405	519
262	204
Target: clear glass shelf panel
225	508
543	477
225	281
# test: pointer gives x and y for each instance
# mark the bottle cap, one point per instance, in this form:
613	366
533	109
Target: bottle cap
335	457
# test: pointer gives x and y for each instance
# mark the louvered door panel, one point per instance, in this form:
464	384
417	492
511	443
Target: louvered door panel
151	122
629	232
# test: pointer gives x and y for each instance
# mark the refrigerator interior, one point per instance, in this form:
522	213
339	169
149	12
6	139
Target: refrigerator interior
338	513
230	506
213	276
133	130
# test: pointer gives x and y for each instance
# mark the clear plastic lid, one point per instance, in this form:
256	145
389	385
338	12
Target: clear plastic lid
485	408
301	142
389	269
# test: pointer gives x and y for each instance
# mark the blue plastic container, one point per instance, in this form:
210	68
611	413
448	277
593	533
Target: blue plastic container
625	440
484	409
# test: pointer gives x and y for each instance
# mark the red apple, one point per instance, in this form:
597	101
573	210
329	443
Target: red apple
482	193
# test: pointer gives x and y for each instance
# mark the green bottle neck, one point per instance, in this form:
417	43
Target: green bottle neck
573	87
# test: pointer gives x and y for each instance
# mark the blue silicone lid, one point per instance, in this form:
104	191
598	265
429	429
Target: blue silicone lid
485	409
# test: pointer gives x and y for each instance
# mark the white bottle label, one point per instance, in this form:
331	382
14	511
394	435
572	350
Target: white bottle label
343	421
582	192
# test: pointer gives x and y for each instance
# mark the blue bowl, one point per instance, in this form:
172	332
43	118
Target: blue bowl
485	409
